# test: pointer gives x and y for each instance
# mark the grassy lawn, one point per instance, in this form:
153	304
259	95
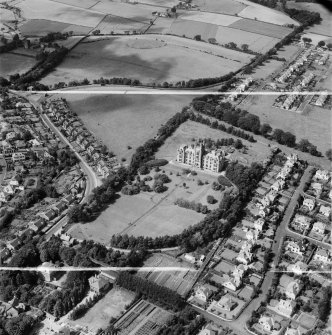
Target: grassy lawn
111	305
193	130
125	120
12	64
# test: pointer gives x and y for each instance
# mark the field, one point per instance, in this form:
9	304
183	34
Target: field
313	125
264	14
230	7
325	27
112	118
315	38
78	3
55	11
143	319
190	129
151	220
11	63
117	24
190	29
261	28
153	61
213	18
111	305
40	27
256	42
179	281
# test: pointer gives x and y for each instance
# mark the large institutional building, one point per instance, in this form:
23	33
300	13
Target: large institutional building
196	156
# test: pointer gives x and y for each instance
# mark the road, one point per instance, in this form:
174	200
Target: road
238	325
92	180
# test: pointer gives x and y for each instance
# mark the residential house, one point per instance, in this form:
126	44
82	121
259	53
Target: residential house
203	292
227	303
258	224
293	289
266	322
79	139
298	268
49	271
59	207
4	197
48	215
231	282
98	284
18	157
322	175
96	156
302	222
317	187
321	255
207	331
37	225
14	244
9	189
245	255
91	150
4	254
190	258
293	247
292	331
105	172
10	136
278	185
330	194
325	210
309	203
318	228
68	199
286	307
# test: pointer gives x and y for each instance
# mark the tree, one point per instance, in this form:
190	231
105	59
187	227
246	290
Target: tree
321	43
245	47
328	154
329	45
265	129
198	37
210	199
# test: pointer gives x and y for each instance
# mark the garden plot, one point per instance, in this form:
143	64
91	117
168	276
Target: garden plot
230	7
212	18
110	306
256	42
261	28
264	14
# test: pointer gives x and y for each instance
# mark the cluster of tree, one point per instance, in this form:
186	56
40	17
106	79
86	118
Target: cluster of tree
186	322
237	117
216	223
209	143
101	196
324	306
19	325
216	125
145	152
266	3
53	36
196	206
305	17
43	67
75	288
151	291
8	46
242	48
225	111
80	310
